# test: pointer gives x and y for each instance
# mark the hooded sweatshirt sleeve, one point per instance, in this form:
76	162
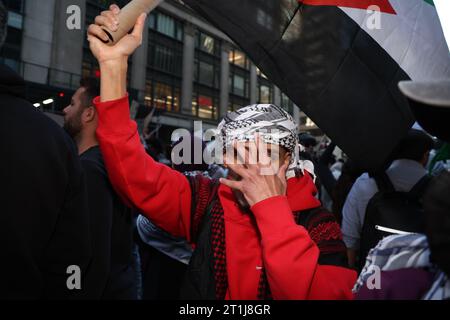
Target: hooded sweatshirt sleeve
162	194
291	257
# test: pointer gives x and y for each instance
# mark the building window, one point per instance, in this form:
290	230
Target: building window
17	6
206	93
10	53
162	96
165	52
164	63
165	57
236	103
207	44
166	25
207	73
239	58
265	94
287	104
204	106
239	85
15	20
207	61
239	81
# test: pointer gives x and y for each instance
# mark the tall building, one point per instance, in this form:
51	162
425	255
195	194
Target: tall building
185	70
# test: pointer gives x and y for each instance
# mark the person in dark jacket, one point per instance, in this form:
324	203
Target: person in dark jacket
111	273
44	226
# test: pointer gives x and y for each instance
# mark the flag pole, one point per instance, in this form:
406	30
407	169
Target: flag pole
128	16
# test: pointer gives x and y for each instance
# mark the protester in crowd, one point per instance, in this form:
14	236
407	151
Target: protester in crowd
309	142
44	225
350	172
413	266
326	176
405	172
264	252
337	179
111	273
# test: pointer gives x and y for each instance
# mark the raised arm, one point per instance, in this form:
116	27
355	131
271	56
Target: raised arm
160	193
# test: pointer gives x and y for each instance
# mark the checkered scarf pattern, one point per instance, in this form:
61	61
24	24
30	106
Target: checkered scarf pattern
205	198
273	124
219	254
320	224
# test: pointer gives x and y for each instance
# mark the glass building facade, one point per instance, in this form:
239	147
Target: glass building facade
174	36
10	54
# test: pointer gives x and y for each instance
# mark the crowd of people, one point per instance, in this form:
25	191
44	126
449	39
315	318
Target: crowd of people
281	217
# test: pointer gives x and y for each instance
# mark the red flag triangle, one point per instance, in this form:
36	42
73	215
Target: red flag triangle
384	5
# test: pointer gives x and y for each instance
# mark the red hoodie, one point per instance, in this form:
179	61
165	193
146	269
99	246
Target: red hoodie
276	242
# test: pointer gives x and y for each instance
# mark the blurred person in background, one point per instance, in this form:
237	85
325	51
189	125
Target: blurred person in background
111	272
405	172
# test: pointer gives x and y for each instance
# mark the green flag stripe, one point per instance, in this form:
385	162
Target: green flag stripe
430	2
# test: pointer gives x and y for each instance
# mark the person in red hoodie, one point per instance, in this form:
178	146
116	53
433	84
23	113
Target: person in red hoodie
261	233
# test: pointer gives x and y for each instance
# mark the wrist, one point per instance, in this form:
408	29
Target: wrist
114	65
261	198
113	74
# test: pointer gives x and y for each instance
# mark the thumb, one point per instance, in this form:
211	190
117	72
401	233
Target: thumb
139	26
94	42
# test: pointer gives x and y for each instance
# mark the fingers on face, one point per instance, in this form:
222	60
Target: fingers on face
253	152
247	154
239	169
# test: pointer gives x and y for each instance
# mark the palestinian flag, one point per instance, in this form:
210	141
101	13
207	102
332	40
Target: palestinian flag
339	62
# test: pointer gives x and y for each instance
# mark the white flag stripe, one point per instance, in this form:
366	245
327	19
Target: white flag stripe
413	38
443	9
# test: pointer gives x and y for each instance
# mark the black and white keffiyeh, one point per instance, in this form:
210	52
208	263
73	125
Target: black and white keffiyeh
273	125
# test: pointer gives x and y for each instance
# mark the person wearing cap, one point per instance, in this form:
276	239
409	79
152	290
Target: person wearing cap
428	101
417	266
405	171
254	236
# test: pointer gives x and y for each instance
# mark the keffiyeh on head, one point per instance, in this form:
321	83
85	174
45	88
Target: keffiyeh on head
273	125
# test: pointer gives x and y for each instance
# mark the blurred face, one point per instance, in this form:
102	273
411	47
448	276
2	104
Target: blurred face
73	114
268	156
